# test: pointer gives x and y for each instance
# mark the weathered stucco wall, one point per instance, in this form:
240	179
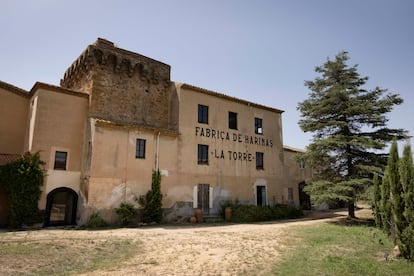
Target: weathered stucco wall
231	170
14	105
117	176
295	173
58	125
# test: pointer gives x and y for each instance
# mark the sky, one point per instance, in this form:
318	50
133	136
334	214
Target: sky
261	51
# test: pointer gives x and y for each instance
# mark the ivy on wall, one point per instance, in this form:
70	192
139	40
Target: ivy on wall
22	180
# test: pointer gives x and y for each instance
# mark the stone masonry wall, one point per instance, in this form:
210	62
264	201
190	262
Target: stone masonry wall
124	87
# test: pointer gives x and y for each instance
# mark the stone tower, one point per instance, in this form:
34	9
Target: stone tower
124	87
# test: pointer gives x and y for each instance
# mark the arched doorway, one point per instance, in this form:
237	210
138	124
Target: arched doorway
304	198
61	207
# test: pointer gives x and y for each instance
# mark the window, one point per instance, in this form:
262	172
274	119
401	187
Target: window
232	120
258	126
301	165
202	154
140	150
259	160
202	114
60	160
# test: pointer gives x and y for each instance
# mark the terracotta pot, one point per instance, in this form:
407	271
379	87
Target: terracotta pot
199	215
193	219
227	214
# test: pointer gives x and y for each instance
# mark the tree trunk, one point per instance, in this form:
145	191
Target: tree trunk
351	209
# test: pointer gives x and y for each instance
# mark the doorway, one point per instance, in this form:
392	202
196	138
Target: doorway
61	207
304	198
261	195
203	198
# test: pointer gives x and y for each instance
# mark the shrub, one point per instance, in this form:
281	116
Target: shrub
406	243
233	204
152	201
284	211
253	213
96	221
22	180
126	212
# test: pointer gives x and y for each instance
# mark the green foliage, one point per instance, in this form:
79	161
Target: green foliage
386	212
406	239
407	182
232	203
152	201
253	213
96	221
396	189
22	180
397	200
377	201
127	212
406	243
349	124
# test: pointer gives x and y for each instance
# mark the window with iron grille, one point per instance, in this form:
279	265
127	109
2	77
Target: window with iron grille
140	149
60	160
259	160
258	126
202	154
232	120
202	114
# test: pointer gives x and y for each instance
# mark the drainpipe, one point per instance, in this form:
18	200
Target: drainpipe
157	152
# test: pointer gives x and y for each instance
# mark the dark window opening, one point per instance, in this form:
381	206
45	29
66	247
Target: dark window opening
258	126
60	160
261	195
140	150
202	114
259	160
232	120
202	154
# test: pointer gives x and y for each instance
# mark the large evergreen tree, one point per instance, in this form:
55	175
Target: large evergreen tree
349	125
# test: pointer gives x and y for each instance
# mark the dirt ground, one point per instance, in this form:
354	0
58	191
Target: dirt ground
194	250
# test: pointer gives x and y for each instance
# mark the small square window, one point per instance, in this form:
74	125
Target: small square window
60	160
259	160
140	149
258	126
232	120
202	154
202	114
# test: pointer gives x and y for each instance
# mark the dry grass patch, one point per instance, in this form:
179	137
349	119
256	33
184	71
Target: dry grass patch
22	253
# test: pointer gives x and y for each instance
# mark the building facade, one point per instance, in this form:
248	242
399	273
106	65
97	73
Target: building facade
117	116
